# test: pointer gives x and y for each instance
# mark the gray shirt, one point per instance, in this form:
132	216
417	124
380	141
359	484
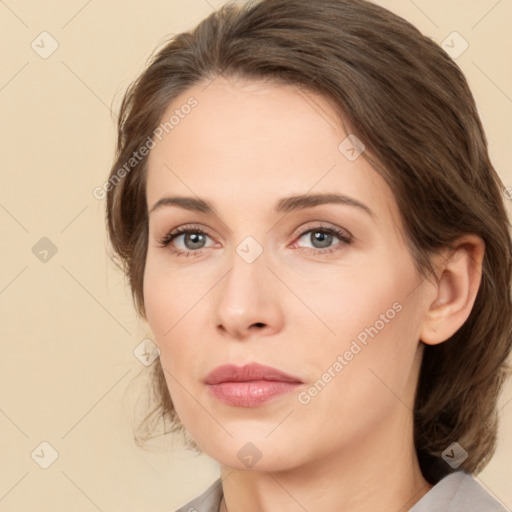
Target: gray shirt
456	492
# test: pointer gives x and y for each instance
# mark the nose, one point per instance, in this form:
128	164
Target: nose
248	301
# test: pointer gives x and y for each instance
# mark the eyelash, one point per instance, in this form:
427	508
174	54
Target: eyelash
344	236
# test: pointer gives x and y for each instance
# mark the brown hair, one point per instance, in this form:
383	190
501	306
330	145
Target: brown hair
410	104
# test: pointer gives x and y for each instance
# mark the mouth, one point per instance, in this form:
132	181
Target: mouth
250	385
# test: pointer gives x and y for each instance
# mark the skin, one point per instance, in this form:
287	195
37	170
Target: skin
246	145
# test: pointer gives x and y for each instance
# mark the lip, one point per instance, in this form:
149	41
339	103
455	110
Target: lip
249	385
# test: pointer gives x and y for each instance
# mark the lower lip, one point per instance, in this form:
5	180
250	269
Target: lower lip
250	394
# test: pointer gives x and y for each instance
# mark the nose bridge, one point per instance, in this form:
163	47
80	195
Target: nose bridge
247	296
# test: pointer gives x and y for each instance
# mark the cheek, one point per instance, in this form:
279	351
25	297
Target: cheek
373	323
354	386
163	308
172	306
378	349
166	297
352	302
156	301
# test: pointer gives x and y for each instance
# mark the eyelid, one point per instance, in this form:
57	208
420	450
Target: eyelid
322	225
184	229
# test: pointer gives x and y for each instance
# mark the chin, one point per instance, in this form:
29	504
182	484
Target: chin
250	454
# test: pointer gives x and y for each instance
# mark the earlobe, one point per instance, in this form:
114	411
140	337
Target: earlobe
459	276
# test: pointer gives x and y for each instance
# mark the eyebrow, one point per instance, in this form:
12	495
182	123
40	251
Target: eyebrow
284	205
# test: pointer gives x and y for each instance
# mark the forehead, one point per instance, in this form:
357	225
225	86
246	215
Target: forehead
251	142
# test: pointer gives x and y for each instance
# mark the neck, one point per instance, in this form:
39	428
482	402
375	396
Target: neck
383	475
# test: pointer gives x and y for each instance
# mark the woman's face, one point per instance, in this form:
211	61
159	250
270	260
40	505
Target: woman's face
326	292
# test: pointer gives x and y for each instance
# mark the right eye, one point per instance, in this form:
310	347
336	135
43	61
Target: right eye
193	240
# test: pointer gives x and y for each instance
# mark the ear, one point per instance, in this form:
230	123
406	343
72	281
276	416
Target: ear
459	272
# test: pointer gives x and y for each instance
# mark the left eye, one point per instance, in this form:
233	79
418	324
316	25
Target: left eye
324	238
320	239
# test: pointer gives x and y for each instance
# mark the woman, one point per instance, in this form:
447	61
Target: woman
305	207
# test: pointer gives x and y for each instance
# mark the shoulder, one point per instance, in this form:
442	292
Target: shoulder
207	501
456	492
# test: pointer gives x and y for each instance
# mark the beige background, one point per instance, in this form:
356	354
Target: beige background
68	327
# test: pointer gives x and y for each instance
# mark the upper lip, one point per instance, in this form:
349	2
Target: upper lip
247	373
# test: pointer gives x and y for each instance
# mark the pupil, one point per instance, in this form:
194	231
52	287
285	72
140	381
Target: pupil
195	238
324	238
